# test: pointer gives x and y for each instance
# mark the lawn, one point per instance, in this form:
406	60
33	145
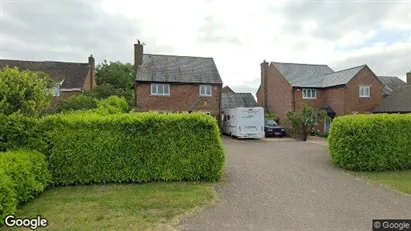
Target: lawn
399	180
117	206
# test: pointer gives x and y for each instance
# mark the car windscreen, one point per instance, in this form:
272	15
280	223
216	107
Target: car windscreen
270	123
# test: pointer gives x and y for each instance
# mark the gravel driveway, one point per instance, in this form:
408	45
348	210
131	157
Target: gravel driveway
290	185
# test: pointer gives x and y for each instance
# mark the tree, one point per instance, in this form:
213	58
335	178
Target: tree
77	102
117	74
24	92
106	90
303	121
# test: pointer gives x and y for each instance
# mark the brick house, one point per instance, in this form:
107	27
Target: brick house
399	100
390	84
285	86
71	78
227	89
170	83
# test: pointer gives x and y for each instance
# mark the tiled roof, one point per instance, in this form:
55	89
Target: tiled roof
303	75
178	69
398	101
73	74
390	83
234	100
315	75
341	77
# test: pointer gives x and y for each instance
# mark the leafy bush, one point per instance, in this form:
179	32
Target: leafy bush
371	142
271	116
136	147
18	131
23	91
106	90
302	122
113	105
23	175
77	102
8	201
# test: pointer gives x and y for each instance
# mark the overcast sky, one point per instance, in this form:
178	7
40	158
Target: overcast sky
239	35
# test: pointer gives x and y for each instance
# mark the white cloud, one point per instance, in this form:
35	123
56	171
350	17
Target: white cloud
239	35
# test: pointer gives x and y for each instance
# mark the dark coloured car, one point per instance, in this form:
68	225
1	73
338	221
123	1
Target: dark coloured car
271	128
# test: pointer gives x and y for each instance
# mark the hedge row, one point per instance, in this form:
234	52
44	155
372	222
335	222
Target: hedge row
17	131
23	175
136	147
371	142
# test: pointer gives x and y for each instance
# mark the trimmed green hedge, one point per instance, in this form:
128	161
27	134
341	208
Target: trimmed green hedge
136	147
18	131
371	142
23	175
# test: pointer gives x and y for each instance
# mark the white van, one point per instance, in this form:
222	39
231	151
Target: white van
244	122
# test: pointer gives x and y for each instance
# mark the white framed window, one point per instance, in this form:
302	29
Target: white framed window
205	90
160	89
56	91
309	93
365	91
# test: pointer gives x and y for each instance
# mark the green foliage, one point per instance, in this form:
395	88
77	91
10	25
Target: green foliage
119	75
23	175
24	91
106	90
271	116
8	201
135	147
371	142
304	119
18	131
113	105
77	102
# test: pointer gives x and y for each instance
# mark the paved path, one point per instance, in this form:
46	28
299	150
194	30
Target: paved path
291	185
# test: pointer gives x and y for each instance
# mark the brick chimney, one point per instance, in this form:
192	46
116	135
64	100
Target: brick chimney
92	66
138	54
264	67
409	77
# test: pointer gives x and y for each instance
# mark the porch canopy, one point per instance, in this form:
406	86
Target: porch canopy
330	111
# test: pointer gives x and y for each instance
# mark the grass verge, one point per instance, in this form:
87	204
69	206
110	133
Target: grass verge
118	207
399	180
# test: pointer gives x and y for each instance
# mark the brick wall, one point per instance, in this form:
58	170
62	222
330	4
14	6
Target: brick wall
182	96
279	94
335	98
353	102
315	103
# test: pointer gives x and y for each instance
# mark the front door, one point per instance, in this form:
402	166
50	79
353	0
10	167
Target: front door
327	124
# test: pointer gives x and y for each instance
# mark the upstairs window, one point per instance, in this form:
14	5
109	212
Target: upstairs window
160	89
309	94
365	91
205	90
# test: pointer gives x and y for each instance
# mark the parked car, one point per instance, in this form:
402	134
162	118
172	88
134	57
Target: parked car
271	128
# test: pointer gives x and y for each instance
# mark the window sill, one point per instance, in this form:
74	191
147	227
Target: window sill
161	95
206	96
310	98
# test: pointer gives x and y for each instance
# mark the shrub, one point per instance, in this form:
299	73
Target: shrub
23	175
17	131
300	123
371	142
23	91
105	90
113	105
8	201
271	116
135	147
77	102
